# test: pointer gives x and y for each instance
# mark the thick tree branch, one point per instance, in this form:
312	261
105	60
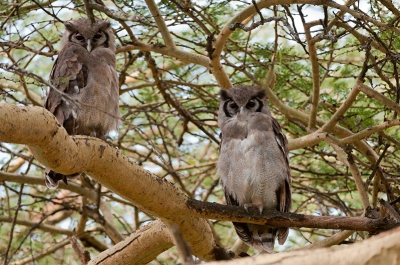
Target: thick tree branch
381	249
104	159
141	247
52	146
340	133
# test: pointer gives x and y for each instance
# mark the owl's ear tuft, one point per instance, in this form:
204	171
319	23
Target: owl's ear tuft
70	27
224	94
105	25
261	94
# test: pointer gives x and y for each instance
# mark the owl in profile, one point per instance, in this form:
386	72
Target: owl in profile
253	163
85	72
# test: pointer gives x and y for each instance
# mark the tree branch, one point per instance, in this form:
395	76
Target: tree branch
104	158
141	247
52	146
275	218
369	251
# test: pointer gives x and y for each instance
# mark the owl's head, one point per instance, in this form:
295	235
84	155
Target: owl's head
88	35
242	101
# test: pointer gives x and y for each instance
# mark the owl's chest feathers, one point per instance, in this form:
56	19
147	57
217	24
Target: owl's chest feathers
248	167
98	86
249	175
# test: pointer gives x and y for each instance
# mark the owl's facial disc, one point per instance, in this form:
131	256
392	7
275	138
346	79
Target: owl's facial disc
85	43
254	105
97	36
251	104
233	105
79	37
90	42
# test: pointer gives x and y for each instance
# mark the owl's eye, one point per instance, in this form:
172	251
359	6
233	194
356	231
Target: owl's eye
97	36
250	104
233	105
79	37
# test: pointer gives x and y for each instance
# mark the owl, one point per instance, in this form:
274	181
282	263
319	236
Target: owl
253	163
85	72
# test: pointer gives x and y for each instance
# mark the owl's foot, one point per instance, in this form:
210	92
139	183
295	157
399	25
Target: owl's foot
103	137
108	140
253	205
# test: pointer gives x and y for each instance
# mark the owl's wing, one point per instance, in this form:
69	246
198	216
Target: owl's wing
220	142
284	193
242	229
69	74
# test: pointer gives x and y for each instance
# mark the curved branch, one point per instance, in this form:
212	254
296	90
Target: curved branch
381	249
53	147
378	96
369	131
312	51
175	53
154	236
350	99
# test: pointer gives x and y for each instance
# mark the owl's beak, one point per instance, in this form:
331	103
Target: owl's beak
89	45
241	115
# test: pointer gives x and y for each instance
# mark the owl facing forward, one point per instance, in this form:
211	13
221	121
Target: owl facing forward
253	163
85	72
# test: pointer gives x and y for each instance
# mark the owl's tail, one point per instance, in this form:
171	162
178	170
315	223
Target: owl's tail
52	178
263	237
260	237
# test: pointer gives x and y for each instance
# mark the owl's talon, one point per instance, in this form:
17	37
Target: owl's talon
64	179
248	205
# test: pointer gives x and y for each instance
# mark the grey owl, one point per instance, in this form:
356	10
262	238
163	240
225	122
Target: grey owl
253	163
85	71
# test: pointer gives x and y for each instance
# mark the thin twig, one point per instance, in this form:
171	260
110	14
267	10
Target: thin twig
389	209
50	14
376	166
89	11
182	246
13	225
83	255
